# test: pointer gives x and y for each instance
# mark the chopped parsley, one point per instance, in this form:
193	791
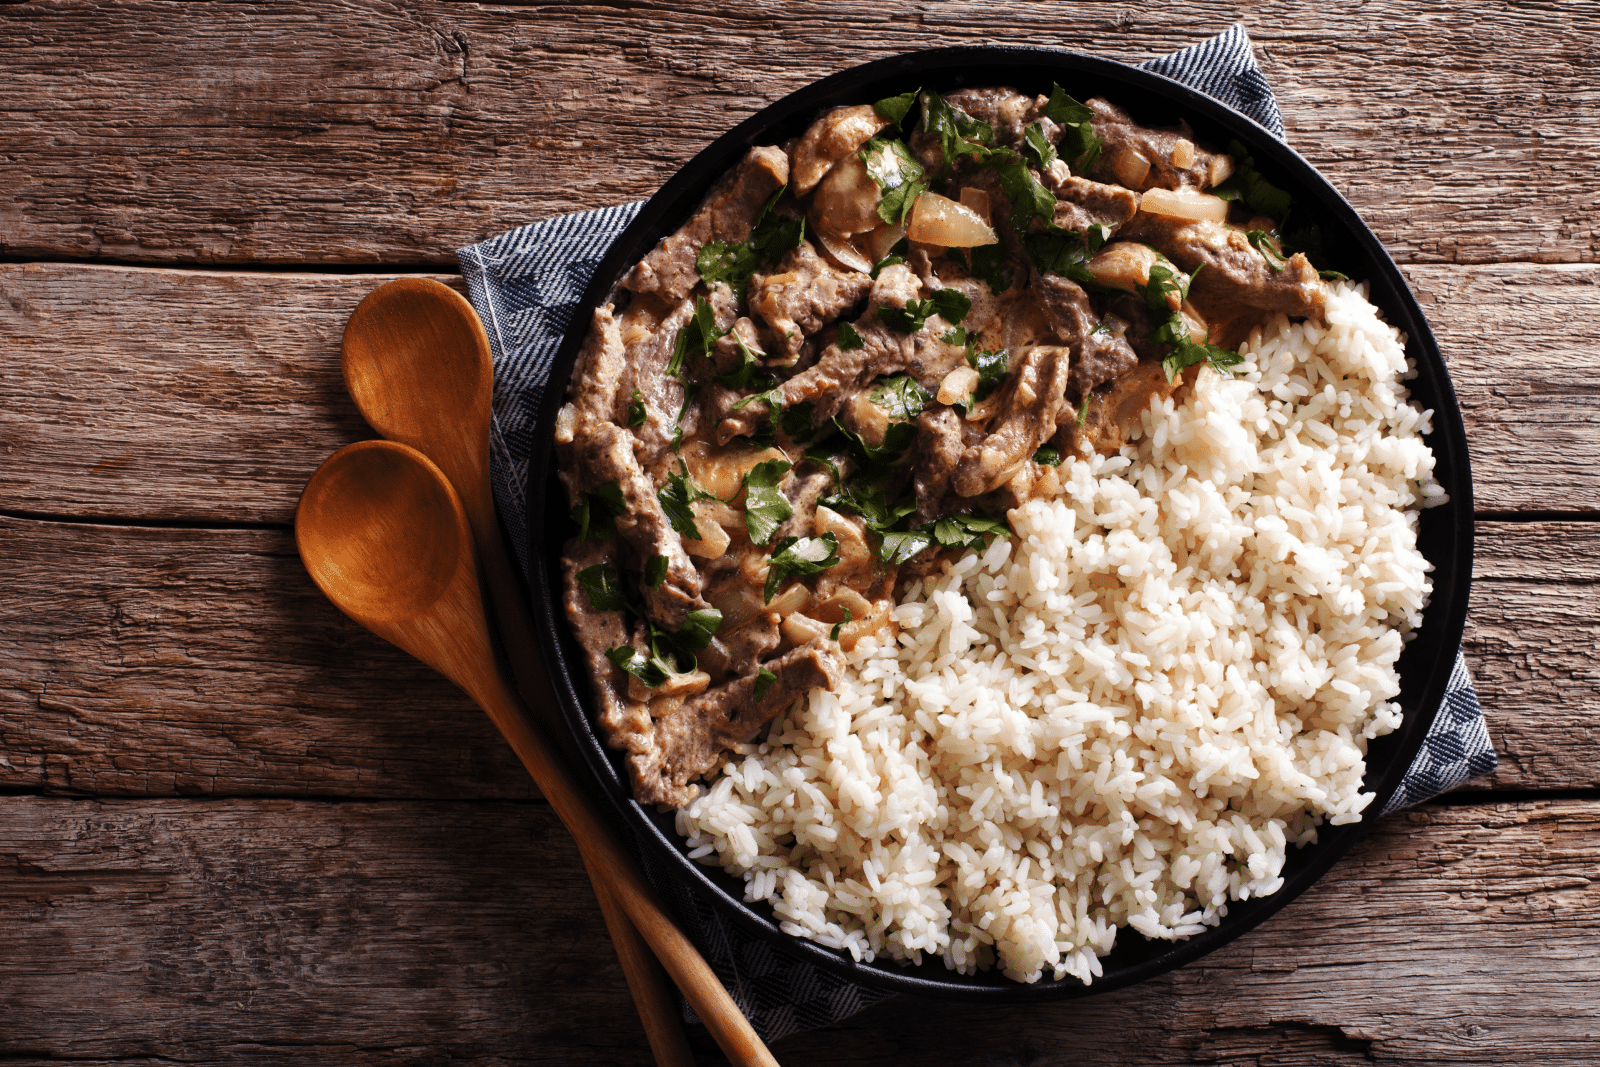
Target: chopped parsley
698	628
959	133
1083	408
651	670
964	530
764	680
872	506
949	304
897	254
1048	456
636	410
1248	185
833	634
596	512
900	546
989	264
1173	329
898	177
902	396
676	497
1029	198
991	368
1266	242
766	508
848	340
696	338
749	373
603	586
1038	145
800	557
771	238
799	421
896	108
655	572
1078	139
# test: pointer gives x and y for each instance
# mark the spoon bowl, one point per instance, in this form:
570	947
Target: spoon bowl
381	532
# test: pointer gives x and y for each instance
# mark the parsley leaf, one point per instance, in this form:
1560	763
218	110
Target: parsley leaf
898	177
764	680
956	335
897	254
1048	456
902	396
848	340
636	410
1266	242
872	506
771	238
800	557
959	133
597	510
1333	276
900	546
1059	253
651	670
603	586
655	572
1083	408
749	373
1078	140
896	108
1029	198
799	421
698	628
696	338
675	497
958	530
991	368
949	304
991	266
874	460
1248	185
1187	355
833	634
765	508
1034	140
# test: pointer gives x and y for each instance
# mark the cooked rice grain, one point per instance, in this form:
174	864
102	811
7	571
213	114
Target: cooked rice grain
1126	714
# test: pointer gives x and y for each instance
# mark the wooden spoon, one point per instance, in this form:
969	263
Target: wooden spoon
386	539
417	363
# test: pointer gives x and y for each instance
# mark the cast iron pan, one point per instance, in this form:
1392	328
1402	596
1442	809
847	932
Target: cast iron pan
1348	246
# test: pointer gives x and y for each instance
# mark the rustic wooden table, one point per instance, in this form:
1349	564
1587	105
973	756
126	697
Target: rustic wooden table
235	827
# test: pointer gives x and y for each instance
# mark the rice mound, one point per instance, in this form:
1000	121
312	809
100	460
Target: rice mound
1126	714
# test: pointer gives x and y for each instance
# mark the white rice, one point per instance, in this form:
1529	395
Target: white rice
1126	714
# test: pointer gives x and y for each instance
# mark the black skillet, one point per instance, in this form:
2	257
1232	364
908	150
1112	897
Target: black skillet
1348	245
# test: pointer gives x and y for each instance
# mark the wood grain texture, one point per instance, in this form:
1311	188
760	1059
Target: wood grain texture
340	131
201	396
205	662
266	931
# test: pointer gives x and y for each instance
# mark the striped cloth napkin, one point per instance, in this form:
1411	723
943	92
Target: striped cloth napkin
526	285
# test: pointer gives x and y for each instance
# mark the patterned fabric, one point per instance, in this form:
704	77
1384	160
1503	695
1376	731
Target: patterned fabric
526	285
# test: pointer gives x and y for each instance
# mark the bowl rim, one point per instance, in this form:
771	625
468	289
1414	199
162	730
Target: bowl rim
1450	526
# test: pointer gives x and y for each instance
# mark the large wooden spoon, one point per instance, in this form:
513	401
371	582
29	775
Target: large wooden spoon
417	363
387	540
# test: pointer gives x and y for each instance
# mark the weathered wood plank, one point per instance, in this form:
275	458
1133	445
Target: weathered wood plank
143	662
211	396
293	932
369	131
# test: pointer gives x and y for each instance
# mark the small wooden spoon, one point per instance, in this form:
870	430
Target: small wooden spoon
386	539
417	363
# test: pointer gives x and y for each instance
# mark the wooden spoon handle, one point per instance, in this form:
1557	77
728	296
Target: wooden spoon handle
653	996
616	872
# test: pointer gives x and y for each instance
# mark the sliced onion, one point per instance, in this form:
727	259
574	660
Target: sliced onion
846	201
1183	153
789	601
978	200
938	220
1124	265
845	253
1130	168
1185	204
881	240
957	385
831	138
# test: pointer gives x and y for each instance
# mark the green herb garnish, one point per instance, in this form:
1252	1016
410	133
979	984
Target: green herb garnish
636	410
848	340
766	508
655	572
764	680
800	557
833	634
898	177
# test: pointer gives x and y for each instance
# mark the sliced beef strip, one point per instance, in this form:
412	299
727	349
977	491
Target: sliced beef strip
1031	399
625	724
1097	356
600	452
803	295
1234	270
839	374
645	369
941	439
692	739
1081	203
727	214
600	367
1157	147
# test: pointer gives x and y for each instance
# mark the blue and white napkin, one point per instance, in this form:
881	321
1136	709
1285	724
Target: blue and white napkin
526	285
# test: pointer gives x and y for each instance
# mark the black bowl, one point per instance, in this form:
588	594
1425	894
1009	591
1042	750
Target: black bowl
1348	245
